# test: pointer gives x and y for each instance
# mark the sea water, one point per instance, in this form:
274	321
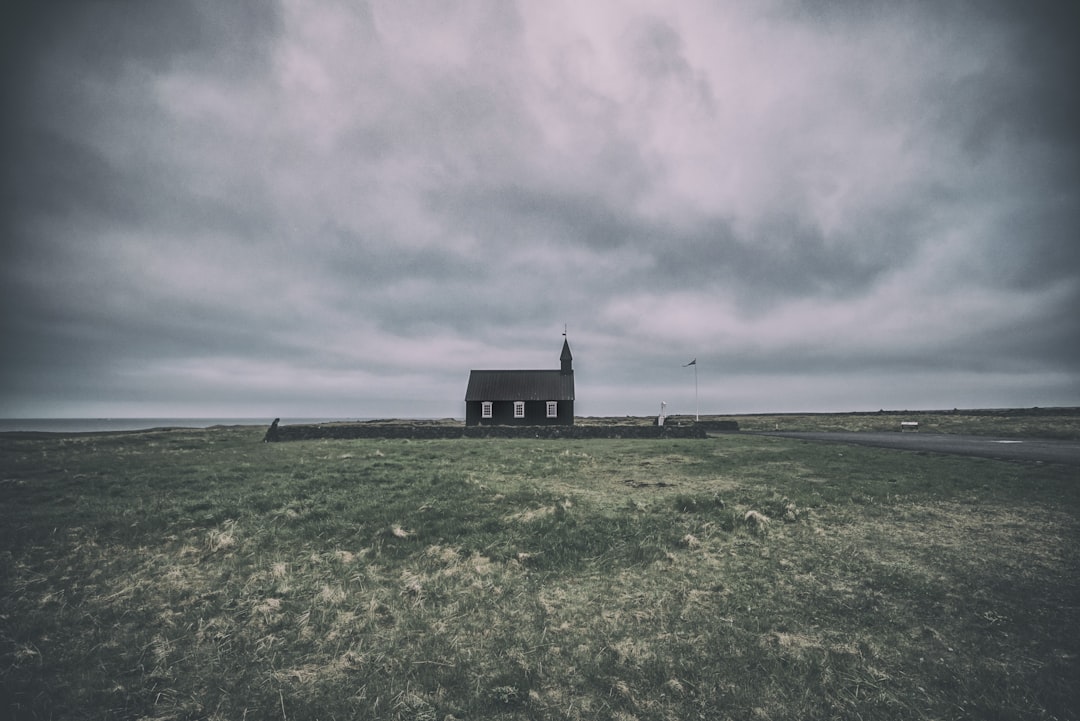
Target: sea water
92	425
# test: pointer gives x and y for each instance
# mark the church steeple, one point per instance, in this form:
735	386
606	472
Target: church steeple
566	357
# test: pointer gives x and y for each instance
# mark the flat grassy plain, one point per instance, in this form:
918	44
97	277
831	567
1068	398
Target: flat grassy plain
1056	423
190	574
1060	424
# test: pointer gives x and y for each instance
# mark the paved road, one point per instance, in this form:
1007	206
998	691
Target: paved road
1009	449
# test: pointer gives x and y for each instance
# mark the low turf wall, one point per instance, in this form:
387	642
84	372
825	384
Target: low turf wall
407	430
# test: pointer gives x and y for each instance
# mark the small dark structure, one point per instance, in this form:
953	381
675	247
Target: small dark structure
522	398
272	432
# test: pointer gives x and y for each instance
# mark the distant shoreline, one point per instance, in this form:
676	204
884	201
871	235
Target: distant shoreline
116	425
121	425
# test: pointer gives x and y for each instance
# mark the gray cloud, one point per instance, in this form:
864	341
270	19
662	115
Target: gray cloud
340	208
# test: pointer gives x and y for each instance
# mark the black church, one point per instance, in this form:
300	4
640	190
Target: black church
522	398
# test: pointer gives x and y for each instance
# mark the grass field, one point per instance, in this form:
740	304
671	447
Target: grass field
1060	423
193	574
1056	423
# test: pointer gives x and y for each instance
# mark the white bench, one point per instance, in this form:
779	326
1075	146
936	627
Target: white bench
909	426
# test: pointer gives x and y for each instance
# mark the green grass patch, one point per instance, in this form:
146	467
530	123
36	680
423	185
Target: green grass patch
194	574
1058	423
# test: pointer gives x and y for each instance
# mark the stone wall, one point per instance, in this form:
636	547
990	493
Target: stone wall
718	426
437	431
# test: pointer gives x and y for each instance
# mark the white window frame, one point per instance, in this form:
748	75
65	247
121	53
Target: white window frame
552	409
485	409
519	409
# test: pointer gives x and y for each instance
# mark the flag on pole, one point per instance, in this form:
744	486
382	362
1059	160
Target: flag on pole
691	363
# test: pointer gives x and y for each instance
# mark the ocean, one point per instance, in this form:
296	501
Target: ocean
90	425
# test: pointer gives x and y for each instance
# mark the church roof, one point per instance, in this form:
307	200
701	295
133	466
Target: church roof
553	385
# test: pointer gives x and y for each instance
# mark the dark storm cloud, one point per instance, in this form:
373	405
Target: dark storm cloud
344	206
784	257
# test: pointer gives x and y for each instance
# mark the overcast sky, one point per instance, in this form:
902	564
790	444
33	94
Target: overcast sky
339	208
